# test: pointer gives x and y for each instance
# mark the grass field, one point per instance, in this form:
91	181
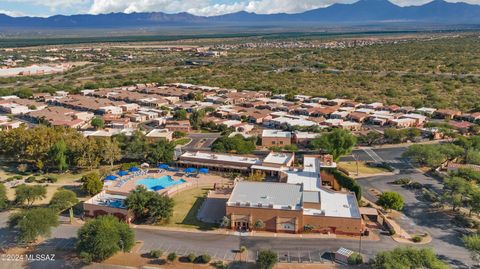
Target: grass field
182	141
363	168
187	204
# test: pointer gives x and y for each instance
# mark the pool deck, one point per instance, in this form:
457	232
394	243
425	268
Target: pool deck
125	184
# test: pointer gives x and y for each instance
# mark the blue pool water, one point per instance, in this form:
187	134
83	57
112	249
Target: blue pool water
116	204
159	183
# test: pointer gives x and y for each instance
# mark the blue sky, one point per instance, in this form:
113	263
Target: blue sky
198	7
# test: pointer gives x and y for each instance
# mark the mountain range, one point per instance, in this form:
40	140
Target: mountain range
361	12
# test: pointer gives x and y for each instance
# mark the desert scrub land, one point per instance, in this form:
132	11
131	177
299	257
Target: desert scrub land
438	72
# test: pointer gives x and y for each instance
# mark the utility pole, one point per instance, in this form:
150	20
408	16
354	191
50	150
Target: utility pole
356	161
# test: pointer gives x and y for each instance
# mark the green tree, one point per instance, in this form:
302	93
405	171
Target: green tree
101	238
3	197
196	118
472	243
408	257
27	195
456	191
370	139
390	200
58	155
160	208
32	223
149	205
433	155
355	259
92	184
135	147
98	123
180	114
160	152
63	199
291	148
337	143
266	259
236	144
472	157
111	151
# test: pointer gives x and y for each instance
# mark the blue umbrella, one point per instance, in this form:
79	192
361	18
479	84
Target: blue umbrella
134	169
190	170
163	166
157	188
203	170
110	177
122	173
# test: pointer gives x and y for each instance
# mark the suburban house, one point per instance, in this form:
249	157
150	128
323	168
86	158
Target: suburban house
276	138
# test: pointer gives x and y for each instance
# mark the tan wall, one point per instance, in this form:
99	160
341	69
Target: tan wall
272	217
180	128
276	141
334	224
92	211
267	215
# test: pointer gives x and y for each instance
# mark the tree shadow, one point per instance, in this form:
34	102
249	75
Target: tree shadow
191	217
159	261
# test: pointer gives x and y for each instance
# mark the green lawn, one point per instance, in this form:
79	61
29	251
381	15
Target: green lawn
186	207
363	168
182	141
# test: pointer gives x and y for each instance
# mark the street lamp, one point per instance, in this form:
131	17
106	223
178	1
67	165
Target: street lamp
360	243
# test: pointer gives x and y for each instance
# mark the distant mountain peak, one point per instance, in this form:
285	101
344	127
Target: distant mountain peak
360	12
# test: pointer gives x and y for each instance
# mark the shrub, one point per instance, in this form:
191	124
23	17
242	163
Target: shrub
417	239
30	179
267	259
308	228
17	177
220	265
191	257
205	258
347	182
86	257
126	166
415	185
402	181
155	253
172	257
355	259
51	179
243	249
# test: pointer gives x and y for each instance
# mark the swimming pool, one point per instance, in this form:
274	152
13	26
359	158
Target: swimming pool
116	203
159	183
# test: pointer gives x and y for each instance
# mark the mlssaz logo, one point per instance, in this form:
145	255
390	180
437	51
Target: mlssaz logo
41	257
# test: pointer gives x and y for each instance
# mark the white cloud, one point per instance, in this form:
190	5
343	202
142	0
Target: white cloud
11	13
197	7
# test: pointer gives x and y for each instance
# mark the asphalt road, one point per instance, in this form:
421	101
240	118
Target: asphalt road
418	215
